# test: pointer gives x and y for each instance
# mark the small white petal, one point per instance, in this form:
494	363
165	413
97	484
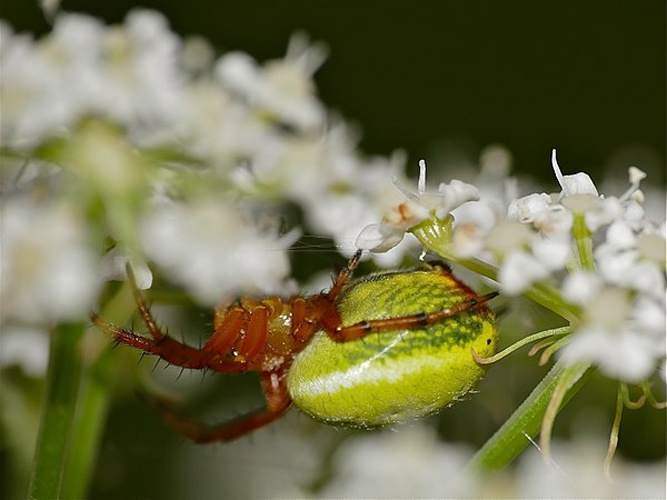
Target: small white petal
553	253
579	183
421	182
114	267
379	238
580	287
634	213
646	277
25	346
606	211
653	247
636	175
638	196
649	315
527	208
614	266
239	71
467	240
519	271
555	222
624	354
621	236
508	236
454	194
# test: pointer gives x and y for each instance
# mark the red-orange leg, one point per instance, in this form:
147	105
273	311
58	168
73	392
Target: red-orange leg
277	403
167	348
358	330
344	275
162	345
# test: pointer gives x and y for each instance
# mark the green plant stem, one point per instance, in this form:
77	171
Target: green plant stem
511	439
582	237
94	402
98	379
62	386
555	332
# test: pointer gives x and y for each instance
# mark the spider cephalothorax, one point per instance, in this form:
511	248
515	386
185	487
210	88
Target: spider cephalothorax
386	348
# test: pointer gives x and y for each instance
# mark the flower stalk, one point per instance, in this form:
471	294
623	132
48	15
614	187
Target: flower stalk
55	434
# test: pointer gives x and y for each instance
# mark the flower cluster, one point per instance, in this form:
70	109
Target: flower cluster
133	139
602	253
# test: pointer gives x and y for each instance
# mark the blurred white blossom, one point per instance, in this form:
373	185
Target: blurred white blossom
574	472
421	466
232	129
48	270
26	346
214	249
418	463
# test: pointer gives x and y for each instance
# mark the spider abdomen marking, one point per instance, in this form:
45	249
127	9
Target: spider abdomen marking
394	376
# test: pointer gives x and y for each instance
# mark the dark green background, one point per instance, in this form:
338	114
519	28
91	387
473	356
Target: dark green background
585	77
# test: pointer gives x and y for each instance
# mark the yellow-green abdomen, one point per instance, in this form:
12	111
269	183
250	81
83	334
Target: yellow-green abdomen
394	376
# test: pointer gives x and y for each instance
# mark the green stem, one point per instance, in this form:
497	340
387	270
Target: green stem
99	376
582	237
555	332
62	386
94	402
511	439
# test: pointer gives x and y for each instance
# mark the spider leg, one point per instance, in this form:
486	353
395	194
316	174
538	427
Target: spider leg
344	275
174	352
144	311
170	350
357	330
277	399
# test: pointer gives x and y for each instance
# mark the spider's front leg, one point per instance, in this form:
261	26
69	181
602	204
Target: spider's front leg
172	351
277	403
162	345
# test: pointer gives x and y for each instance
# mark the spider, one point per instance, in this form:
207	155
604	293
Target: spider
389	347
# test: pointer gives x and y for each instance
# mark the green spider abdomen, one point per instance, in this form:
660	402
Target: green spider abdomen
394	376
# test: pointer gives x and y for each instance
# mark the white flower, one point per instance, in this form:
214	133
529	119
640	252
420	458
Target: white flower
625	354
25	346
283	87
144	82
575	471
214	249
129	75
539	210
580	286
419	206
419	464
47	268
520	270
473	222
625	338
620	262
